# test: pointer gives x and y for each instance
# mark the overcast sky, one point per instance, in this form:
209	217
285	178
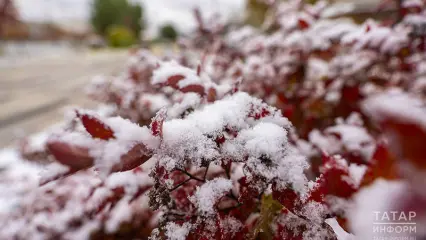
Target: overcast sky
157	12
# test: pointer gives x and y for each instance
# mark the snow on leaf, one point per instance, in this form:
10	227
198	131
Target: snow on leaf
95	127
136	156
177	232
157	122
209	194
403	119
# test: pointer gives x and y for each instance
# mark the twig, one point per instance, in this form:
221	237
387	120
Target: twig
180	184
205	173
190	175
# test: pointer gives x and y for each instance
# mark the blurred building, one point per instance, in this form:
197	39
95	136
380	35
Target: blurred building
27	20
8	14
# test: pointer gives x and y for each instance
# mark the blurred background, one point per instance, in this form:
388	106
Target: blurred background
50	49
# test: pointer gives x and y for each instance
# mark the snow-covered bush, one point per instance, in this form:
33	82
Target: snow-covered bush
292	131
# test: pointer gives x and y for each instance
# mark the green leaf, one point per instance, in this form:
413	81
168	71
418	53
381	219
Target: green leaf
269	209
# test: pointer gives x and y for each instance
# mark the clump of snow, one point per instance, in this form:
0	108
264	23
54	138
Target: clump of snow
130	182
271	157
209	194
354	138
121	213
154	101
348	136
341	234
189	101
316	211
177	232
37	142
412	3
356	172
234	38
231	225
52	170
17	178
331	145
338	9
76	138
398	105
172	68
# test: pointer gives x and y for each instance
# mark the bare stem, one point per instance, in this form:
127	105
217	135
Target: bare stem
190	175
180	184
205	173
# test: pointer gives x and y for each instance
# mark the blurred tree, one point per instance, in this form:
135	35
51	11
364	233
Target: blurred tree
8	14
120	36
136	21
107	13
168	32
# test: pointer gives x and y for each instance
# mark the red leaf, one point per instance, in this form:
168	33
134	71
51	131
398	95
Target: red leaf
256	115
287	197
351	94
383	166
220	139
136	156
199	70
407	140
76	157
173	80
288	111
368	28
211	95
96	127
303	24
194	88
157	123
332	181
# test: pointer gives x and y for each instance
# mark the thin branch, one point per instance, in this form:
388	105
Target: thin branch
205	173
227	172
190	175
180	184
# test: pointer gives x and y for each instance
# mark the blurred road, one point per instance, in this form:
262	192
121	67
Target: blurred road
34	93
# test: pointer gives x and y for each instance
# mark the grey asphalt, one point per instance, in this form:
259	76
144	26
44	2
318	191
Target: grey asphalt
34	93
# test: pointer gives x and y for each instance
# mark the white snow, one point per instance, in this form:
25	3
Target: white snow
398	105
356	172
209	194
338	230
154	101
172	68
177	232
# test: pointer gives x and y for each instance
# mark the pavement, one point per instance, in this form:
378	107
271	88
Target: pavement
33	94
